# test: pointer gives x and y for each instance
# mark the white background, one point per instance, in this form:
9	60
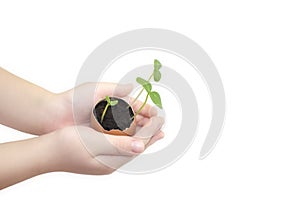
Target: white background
255	46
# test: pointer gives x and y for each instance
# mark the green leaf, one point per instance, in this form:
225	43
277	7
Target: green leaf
155	97
157	64
141	81
114	102
107	99
157	75
146	85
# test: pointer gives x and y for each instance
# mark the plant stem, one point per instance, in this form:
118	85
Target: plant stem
150	77
136	98
141	108
104	111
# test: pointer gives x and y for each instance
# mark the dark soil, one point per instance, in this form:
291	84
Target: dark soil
116	117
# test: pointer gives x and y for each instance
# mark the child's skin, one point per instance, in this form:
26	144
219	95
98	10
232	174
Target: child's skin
32	109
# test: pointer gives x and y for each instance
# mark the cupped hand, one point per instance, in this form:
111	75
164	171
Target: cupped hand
83	150
74	106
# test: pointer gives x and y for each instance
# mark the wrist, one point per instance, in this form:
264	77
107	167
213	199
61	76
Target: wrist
47	159
54	108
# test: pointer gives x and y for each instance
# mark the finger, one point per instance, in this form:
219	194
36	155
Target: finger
103	144
160	135
112	89
147	111
126	145
141	120
150	129
116	162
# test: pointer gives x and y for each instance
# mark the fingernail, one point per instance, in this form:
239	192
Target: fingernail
137	146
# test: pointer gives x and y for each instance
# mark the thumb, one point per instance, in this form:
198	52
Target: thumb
112	89
122	90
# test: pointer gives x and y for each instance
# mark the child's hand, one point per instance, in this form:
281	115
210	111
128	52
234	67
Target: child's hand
80	149
32	109
74	107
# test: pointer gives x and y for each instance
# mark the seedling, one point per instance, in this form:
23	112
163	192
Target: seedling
155	97
109	103
122	123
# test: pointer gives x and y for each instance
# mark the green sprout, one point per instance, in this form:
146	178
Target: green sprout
109	103
155	97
